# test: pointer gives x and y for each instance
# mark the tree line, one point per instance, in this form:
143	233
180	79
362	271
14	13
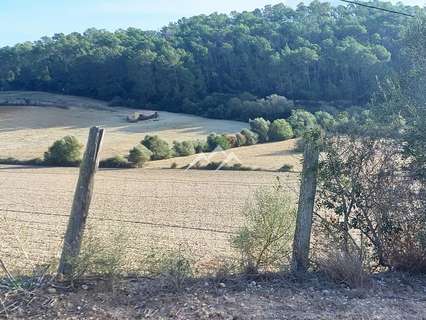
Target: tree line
235	66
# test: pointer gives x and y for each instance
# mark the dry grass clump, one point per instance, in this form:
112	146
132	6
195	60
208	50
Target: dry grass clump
172	268
346	267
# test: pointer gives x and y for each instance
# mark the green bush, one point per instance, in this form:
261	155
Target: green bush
64	152
214	140
184	148
301	120
115	162
265	240
139	155
251	137
325	120
160	149
261	127
241	140
280	130
200	146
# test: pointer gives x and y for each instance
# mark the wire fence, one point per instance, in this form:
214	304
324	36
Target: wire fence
199	210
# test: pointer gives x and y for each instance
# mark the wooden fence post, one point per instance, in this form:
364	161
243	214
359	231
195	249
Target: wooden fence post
302	235
81	203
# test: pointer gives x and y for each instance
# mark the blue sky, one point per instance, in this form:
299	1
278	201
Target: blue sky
22	20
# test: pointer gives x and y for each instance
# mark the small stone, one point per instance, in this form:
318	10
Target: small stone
222	285
51	290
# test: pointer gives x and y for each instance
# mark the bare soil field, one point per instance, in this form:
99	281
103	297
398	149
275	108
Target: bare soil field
27	131
196	209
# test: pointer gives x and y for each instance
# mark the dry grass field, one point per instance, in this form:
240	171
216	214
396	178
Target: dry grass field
147	208
267	156
27	131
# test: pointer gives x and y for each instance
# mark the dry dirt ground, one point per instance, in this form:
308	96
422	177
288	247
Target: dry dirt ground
387	297
197	209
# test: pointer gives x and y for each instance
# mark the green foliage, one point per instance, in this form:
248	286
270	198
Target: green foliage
139	155
64	152
182	149
200	146
313	52
265	240
251	138
325	120
160	149
214	140
301	121
115	162
261	127
280	130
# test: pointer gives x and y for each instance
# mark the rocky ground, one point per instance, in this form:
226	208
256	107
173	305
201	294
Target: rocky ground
387	296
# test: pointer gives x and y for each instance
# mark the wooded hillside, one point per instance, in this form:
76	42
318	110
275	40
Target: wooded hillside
223	66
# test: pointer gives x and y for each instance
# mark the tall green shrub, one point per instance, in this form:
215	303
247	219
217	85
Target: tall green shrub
301	121
160	149
214	140
66	151
184	148
139	155
280	130
261	127
251	137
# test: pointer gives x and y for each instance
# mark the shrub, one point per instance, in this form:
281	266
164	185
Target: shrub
174	165
251	137
232	140
261	127
286	168
115	162
325	120
139	155
99	258
365	172
173	268
214	140
241	140
344	267
66	151
200	146
265	240
182	149
280	130
301	120
160	149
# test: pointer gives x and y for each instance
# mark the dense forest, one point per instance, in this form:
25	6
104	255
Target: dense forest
236	66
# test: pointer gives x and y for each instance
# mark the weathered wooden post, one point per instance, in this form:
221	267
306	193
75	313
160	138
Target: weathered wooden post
81	203
302	235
